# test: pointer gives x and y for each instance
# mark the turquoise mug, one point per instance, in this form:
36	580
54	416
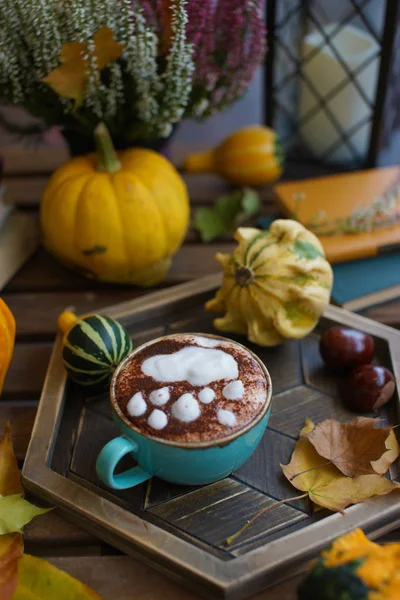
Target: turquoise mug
185	463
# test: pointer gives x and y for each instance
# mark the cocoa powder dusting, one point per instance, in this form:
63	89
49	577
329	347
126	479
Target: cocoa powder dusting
206	427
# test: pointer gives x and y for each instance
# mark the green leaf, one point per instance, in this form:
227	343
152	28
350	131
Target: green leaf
306	250
208	223
15	512
227	213
250	203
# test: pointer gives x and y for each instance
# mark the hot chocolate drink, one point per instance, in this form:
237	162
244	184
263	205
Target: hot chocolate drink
191	388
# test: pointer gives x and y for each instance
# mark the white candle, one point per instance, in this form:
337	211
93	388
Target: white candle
348	107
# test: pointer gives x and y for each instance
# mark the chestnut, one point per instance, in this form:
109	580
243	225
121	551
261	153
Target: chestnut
368	387
343	348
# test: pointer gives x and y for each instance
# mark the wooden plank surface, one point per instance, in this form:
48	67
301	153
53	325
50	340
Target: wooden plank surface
123	578
27	370
21	415
202	188
52	531
44	273
36	312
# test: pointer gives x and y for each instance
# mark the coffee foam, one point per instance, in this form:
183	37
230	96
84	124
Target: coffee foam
157	419
197	365
234	390
137	405
233	393
226	417
160	397
186	408
206	395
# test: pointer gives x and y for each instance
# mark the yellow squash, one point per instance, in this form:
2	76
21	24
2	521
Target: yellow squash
7	337
251	156
276	284
116	218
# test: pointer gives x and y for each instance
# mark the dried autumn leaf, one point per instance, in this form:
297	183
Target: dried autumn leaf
350	446
11	545
11	550
107	49
39	580
10	480
15	512
70	77
392	452
326	485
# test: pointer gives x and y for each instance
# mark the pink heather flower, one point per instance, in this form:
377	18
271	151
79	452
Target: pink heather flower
228	38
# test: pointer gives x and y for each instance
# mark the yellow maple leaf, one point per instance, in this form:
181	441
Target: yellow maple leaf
40	580
325	484
11	545
69	78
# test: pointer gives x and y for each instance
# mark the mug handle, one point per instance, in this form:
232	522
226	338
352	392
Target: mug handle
108	459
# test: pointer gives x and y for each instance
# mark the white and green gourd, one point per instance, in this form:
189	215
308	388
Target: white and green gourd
93	346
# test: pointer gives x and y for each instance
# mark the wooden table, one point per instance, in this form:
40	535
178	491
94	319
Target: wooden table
36	295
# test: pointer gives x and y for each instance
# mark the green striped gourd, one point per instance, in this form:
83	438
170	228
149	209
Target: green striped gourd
93	346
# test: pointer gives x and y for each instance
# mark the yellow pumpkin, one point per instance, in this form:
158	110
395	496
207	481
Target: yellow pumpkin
356	569
251	156
7	338
276	284
116	217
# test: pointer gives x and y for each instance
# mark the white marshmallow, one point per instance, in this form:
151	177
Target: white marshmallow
137	405
186	408
157	419
160	397
234	390
206	395
198	366
226	417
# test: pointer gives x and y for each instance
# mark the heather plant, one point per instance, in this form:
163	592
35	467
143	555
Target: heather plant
138	65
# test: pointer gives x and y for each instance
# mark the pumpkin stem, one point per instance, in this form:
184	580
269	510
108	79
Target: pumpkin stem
202	162
107	159
244	276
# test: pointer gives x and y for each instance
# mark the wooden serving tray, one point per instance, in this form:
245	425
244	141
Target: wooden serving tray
182	530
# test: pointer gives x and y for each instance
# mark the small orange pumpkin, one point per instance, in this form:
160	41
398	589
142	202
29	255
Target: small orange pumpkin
251	156
7	338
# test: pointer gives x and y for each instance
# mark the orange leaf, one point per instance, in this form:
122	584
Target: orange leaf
69	78
11	550
10	481
350	446
326	485
107	48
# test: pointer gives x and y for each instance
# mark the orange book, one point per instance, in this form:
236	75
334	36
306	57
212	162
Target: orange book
355	215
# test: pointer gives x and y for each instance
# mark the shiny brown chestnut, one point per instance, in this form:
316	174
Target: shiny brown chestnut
343	348
368	387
